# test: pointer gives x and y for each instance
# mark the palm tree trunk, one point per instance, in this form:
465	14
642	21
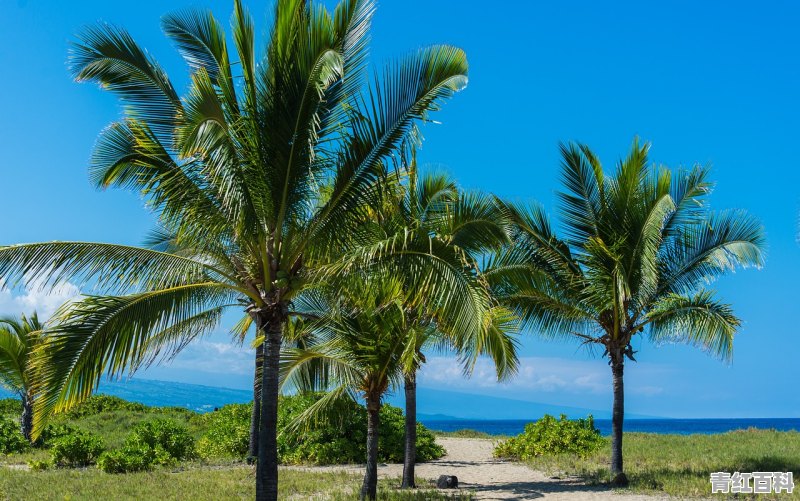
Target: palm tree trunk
271	324
252	453
369	489
410	457
26	421
617	419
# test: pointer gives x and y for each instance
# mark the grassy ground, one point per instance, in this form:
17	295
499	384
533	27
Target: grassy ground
680	465
467	433
192	482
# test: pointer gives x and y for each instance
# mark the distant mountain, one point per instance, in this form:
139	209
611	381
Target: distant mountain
437	405
447	405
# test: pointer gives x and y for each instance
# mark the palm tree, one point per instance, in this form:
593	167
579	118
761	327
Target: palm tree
19	338
261	170
469	225
358	337
640	249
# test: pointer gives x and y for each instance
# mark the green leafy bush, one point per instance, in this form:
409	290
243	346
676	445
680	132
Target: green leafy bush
549	436
341	439
156	442
52	432
392	438
163	435
11	439
10	407
103	403
227	432
78	448
39	465
125	460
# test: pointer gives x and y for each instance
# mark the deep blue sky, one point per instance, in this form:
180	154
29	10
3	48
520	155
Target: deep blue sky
703	81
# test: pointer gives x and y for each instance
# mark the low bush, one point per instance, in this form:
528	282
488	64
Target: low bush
549	436
156	442
227	432
39	465
10	407
340	439
52	432
11	439
103	403
78	448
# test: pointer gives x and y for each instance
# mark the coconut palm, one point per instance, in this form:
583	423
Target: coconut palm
358	338
261	170
19	339
468	224
639	251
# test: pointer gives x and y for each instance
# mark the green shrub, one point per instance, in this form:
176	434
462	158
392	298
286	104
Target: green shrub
125	460
549	436
10	407
39	465
52	432
156	442
227	432
11	439
391	442
163	435
343	438
79	448
103	403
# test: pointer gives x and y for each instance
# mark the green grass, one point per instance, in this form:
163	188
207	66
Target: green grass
193	482
680	465
467	433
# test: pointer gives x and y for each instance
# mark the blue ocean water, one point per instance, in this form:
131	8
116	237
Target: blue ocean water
672	426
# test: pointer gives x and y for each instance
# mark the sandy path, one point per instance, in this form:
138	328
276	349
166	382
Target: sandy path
471	461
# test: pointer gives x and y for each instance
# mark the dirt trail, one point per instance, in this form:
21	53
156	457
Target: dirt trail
471	460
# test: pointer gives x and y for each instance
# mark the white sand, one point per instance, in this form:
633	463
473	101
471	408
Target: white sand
470	459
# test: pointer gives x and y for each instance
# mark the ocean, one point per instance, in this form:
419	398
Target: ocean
671	426
207	398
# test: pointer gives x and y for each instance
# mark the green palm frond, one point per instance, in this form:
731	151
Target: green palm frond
116	334
107	266
699	320
110	57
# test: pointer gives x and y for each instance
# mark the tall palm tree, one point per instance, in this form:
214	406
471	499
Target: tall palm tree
469	225
639	251
19	338
235	171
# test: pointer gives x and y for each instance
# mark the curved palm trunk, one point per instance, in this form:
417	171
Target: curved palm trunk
26	421
410	457
252	452
369	489
617	419
271	324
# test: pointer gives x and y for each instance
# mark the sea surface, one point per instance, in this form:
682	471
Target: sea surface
207	398
672	426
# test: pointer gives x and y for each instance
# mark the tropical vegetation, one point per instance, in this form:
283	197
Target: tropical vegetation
260	175
639	250
19	338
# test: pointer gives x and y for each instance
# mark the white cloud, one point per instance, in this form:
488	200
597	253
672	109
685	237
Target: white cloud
213	357
536	374
36	297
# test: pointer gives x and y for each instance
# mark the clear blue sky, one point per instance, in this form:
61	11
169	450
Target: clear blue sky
704	81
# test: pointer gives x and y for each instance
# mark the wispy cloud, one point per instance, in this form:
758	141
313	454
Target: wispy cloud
536	374
36	297
214	357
